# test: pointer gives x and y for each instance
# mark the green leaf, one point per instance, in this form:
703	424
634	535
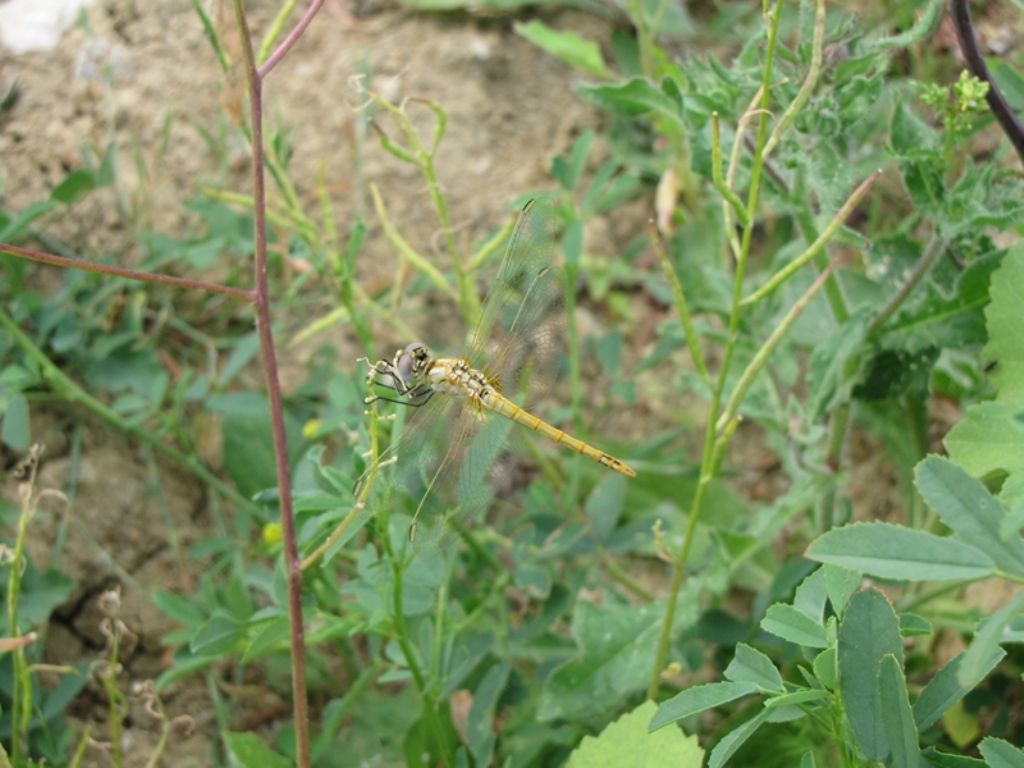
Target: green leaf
565	46
749	665
966	506
251	752
938	759
944	690
184	610
1000	754
825	668
19	224
984	644
615	646
733	740
217	636
841	584
894	552
909	134
797	698
912	625
75	186
248	440
17	429
273	635
41	593
868	632
697	699
627	741
990	438
787	622
634	98
897	716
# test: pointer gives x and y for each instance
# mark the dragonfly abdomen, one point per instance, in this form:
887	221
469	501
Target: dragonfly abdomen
500	404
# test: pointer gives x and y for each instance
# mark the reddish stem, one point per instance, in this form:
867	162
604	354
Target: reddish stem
131	274
261	304
289	41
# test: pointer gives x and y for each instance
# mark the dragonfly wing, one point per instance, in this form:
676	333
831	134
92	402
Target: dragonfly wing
520	335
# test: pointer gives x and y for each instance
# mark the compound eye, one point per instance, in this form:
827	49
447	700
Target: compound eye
409	361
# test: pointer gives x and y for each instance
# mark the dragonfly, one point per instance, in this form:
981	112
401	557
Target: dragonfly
513	348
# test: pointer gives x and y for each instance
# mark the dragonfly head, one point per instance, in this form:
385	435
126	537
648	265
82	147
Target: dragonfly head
411	362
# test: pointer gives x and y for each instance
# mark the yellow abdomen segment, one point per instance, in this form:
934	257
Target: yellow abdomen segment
502	405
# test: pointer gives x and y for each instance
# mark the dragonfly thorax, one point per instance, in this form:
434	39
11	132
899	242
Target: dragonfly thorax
455	376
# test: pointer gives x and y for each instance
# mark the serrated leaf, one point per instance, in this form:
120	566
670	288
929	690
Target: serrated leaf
895	552
868	632
627	741
944	690
697	699
749	665
565	46
787	622
938	759
1001	754
615	646
897	716
966	506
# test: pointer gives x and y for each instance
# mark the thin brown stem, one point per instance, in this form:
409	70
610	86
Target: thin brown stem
289	41
131	274
293	564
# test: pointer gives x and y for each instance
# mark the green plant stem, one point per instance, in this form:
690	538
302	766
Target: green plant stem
406	251
816	247
708	458
115	699
66	388
807	87
716	170
760	359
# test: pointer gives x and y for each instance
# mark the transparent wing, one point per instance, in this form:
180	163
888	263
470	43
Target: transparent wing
521	333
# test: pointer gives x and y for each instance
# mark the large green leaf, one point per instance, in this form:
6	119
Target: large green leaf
627	742
990	438
966	506
616	644
868	633
944	690
894	552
